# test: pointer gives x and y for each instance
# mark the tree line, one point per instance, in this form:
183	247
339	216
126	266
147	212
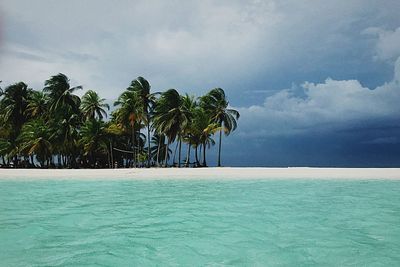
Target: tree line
54	127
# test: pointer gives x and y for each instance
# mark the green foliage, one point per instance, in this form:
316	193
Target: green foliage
215	105
13	106
93	138
56	127
37	105
93	106
35	140
61	94
170	118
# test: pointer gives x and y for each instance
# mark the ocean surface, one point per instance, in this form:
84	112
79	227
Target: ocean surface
200	223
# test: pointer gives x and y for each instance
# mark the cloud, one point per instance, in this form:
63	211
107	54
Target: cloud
387	44
190	45
334	105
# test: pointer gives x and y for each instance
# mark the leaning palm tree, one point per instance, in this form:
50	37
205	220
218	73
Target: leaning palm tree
216	104
92	105
61	94
170	118
64	117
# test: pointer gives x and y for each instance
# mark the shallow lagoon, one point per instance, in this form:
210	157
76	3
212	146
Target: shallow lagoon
200	222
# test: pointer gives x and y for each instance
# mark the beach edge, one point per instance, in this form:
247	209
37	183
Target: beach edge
204	173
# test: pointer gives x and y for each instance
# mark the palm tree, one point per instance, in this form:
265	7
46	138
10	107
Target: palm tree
93	139
35	140
216	104
130	113
13	105
189	105
55	123
142	87
37	105
92	105
64	117
170	118
61	94
202	129
65	135
118	137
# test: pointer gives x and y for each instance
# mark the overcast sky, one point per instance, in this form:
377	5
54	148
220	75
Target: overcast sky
317	83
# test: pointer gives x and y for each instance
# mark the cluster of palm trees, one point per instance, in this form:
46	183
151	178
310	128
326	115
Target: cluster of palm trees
56	128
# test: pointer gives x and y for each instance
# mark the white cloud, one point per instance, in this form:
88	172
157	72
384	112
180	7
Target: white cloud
331	105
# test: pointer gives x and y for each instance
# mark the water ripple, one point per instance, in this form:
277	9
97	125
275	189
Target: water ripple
185	223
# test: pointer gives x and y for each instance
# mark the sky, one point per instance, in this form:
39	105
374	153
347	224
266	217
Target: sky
317	83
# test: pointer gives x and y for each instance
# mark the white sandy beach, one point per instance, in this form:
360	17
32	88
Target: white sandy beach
204	173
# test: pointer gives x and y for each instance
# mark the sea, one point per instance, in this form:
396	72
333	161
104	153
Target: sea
261	222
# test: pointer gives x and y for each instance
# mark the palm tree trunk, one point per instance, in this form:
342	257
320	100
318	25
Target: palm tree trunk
204	155
176	147
111	156
148	141
158	150
166	154
188	155
196	155
108	158
133	146
200	154
180	149
139	148
219	148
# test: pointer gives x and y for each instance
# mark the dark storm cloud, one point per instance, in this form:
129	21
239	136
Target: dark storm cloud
196	45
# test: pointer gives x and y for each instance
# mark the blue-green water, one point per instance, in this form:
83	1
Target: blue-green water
197	223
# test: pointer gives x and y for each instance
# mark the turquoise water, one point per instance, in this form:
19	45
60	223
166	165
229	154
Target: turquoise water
197	223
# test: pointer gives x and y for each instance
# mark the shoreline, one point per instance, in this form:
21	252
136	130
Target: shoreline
211	173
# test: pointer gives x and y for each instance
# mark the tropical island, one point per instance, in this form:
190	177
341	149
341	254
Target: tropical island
55	128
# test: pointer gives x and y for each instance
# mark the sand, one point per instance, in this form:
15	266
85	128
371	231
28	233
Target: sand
205	173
